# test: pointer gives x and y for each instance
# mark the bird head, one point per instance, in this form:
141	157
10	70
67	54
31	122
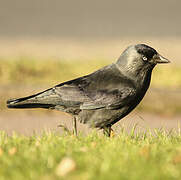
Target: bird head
139	58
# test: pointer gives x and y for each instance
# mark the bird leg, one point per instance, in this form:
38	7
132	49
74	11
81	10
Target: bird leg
74	126
108	131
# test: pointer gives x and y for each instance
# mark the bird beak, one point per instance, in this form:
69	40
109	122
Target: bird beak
161	59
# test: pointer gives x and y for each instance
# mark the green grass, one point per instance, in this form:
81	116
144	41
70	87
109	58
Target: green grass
125	156
25	70
44	71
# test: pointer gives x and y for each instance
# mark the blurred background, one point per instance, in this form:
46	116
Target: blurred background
43	43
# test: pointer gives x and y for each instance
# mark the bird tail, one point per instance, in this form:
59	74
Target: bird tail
33	101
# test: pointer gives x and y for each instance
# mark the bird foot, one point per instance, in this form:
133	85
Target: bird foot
108	131
112	134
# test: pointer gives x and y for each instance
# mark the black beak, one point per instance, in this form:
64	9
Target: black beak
161	59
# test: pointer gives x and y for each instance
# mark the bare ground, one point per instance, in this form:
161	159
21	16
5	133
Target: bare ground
28	122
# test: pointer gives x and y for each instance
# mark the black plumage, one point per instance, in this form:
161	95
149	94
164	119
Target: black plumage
104	97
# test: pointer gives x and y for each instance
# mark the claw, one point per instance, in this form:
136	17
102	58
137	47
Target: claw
112	134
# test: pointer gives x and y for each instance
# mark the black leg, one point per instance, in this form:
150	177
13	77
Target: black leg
107	131
74	126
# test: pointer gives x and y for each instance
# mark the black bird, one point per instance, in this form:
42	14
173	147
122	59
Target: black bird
104	97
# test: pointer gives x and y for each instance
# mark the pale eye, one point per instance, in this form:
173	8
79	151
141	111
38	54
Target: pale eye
145	58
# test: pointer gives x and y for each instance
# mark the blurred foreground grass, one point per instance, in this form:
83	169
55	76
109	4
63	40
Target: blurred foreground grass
126	156
32	72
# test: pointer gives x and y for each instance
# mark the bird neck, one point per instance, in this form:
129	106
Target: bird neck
144	77
139	76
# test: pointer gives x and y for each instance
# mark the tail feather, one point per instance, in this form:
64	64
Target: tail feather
28	102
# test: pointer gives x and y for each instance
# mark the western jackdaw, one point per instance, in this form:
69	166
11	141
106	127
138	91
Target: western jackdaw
105	96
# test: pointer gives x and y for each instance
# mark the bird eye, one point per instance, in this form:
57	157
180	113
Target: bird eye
145	58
